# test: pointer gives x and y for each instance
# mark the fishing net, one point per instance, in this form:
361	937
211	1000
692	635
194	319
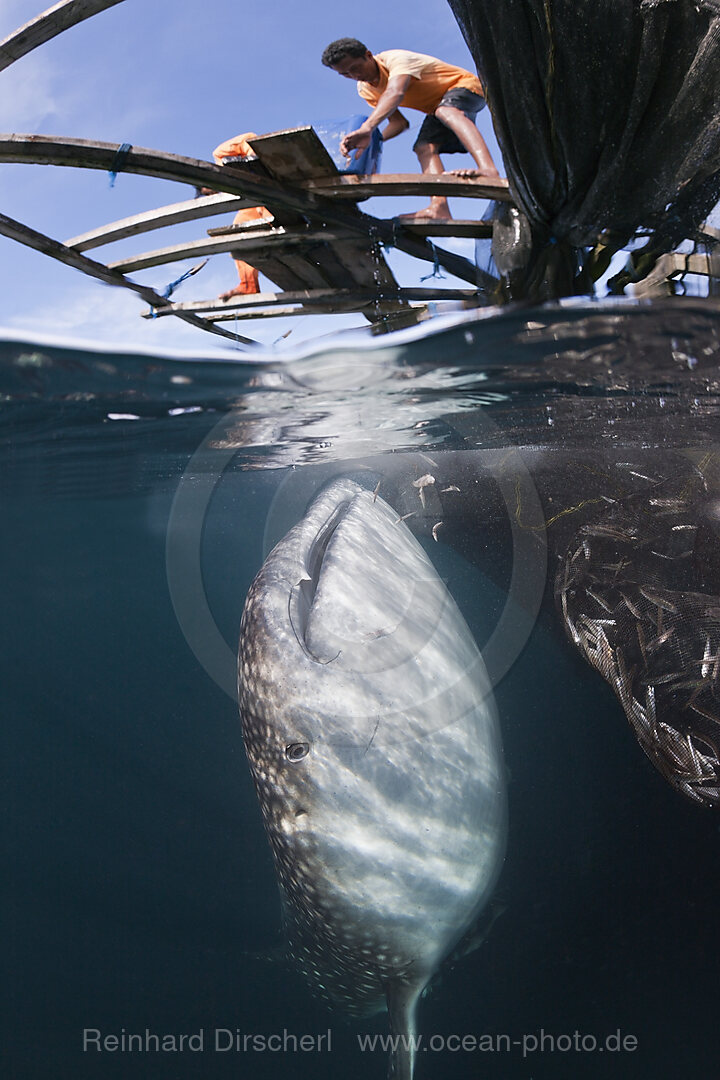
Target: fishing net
332	132
639	591
608	117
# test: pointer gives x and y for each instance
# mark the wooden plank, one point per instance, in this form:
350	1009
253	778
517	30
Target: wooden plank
673	265
315	296
241	227
481	230
343	262
45	244
48	25
368	264
320	268
709	232
705	265
403	184
276	271
283	313
89	154
408	315
367	311
243	247
307	269
174	214
335	271
295	154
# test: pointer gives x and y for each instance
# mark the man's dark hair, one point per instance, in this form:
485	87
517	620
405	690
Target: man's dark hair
344	46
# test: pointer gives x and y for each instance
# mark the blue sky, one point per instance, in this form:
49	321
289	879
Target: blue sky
180	76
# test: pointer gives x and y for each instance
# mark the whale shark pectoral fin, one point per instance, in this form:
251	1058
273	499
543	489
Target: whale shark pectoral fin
402	998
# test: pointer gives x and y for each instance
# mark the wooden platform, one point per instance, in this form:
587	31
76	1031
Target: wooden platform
321	251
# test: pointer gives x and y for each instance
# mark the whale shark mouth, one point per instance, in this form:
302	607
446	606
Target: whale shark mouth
366	595
303	593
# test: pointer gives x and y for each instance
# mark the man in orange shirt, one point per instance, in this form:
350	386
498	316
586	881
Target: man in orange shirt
450	97
239	148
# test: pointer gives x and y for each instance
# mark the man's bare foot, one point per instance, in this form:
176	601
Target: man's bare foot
239	290
430	213
475	174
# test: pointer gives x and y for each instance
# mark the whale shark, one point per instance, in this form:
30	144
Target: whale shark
372	736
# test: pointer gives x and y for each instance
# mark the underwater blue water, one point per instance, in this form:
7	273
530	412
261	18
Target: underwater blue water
140	495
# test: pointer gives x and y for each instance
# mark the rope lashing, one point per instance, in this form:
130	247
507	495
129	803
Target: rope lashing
118	162
170	289
436	271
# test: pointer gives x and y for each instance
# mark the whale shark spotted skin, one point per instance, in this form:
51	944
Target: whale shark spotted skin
372	737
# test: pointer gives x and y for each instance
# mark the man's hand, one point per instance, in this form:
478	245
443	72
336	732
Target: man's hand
355	140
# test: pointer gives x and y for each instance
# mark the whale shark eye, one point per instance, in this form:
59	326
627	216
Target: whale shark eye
296	751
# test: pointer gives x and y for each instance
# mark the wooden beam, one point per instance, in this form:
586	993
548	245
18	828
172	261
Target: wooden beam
259	240
315	296
363	187
48	25
671	266
174	214
705	265
372	310
709	232
455	227
85	153
481	230
242	227
141	161
405	316
30	238
289	312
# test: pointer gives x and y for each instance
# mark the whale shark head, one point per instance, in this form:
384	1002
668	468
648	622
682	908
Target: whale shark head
349	615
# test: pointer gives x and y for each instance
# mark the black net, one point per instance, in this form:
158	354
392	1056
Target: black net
639	592
608	117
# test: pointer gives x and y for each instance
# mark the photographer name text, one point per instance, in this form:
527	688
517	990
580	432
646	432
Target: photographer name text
218	1040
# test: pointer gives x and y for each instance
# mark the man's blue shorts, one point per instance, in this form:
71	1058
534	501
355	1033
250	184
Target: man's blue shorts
434	131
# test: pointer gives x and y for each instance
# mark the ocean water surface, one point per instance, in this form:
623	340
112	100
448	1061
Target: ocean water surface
140	496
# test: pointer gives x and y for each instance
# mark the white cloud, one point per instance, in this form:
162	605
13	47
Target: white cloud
30	97
98	313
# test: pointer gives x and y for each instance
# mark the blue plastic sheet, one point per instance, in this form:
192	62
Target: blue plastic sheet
331	132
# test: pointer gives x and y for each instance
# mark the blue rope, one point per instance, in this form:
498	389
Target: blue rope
170	289
436	271
119	161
